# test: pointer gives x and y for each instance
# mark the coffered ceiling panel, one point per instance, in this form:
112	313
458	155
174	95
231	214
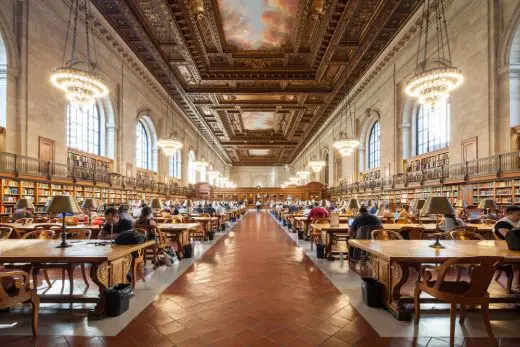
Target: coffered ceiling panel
257	77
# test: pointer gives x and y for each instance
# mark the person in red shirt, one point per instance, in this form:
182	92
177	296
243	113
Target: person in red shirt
318	212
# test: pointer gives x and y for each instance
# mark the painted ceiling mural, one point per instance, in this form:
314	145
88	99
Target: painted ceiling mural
257	24
259	120
253	75
258	152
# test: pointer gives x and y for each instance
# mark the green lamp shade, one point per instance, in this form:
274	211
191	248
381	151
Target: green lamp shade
353	204
24	203
63	204
89	204
437	205
156	203
487	204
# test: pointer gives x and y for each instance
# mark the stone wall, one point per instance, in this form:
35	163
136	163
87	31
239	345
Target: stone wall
481	34
33	32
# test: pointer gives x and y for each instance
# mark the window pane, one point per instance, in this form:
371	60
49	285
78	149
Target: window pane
142	147
374	147
432	128
83	128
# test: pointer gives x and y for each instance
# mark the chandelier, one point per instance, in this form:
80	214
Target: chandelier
303	174
434	79
345	144
78	78
170	145
294	180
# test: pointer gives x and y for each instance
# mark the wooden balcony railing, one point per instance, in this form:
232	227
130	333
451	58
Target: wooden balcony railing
490	166
22	165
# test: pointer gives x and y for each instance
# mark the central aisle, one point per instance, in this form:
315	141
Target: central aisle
254	287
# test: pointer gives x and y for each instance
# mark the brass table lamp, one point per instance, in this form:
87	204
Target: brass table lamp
437	205
63	204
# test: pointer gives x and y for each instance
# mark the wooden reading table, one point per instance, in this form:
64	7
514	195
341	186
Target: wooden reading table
328	233
178	232
391	260
109	264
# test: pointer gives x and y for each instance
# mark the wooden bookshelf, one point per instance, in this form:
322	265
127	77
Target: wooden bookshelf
88	161
427	161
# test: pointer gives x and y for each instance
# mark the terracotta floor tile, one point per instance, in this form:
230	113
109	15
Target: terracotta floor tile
254	287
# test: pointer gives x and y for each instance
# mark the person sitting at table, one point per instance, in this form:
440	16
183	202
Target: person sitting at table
385	212
198	209
146	217
20	213
176	210
114	222
209	209
293	208
307	210
318	212
510	221
405	213
123	213
450	222
364	219
373	209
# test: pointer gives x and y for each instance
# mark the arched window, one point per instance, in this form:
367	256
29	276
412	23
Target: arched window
3	82
84	128
432	128
143	147
175	165
374	147
192	172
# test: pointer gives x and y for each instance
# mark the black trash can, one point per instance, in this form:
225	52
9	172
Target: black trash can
187	250
118	299
300	235
320	250
372	292
211	235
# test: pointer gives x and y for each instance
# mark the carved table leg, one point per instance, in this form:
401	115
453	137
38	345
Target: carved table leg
99	275
392	275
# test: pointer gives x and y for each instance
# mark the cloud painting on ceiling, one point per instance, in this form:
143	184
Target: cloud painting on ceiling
258	152
257	24
259	120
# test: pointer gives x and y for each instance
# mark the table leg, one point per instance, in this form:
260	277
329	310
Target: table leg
392	275
306	231
99	275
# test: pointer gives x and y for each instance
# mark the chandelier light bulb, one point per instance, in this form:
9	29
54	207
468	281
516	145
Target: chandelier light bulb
434	86
81	87
169	146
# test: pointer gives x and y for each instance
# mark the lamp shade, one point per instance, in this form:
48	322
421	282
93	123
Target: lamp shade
437	205
370	203
24	203
353	204
141	203
461	203
90	204
487	204
420	204
63	204
156	203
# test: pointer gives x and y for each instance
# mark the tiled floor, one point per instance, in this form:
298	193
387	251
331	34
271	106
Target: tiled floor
255	287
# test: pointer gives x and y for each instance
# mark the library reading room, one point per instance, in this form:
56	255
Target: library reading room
293	173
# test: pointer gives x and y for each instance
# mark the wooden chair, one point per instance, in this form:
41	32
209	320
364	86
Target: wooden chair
316	234
5	233
416	233
382	234
137	266
77	234
39	234
20	292
462	293
387	220
24	221
462	235
403	221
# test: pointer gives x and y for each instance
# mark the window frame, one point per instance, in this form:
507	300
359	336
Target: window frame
192	171
175	165
146	150
424	140
86	128
374	146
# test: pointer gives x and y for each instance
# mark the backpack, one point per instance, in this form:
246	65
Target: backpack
513	239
